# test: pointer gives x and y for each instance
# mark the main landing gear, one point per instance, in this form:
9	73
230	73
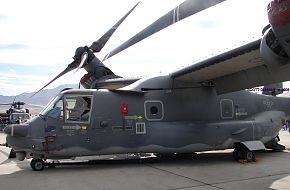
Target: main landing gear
274	145
243	153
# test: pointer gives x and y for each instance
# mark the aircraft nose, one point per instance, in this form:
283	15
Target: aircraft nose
16	130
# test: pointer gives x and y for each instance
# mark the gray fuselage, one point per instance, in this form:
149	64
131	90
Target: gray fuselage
159	121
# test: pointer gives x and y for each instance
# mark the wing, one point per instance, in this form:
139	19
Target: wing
238	69
255	64
213	70
261	62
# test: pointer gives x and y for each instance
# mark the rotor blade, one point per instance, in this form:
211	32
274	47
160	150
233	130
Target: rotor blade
184	10
100	43
6	104
69	68
83	61
14	99
13	102
36	105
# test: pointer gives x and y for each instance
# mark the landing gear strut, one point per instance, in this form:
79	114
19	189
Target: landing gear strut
37	164
243	153
274	145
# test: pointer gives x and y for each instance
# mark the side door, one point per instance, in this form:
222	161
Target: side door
77	119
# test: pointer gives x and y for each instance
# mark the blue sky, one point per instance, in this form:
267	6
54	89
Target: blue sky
38	38
12	46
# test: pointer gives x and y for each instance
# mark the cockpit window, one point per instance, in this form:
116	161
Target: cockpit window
14	117
78	108
49	106
54	108
22	116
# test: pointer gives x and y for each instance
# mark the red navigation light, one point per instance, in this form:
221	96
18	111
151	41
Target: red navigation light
279	12
124	109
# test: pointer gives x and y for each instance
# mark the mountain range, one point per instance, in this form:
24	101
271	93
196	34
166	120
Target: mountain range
41	98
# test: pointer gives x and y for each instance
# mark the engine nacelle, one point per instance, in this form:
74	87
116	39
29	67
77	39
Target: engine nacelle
271	51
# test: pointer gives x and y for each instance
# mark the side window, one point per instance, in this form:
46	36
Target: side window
78	108
226	106
153	110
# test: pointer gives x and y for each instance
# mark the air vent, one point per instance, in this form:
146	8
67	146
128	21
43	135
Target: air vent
140	128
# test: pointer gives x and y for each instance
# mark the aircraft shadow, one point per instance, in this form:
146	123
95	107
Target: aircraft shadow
117	170
207	158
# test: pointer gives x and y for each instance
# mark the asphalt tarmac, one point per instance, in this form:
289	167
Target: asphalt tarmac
203	171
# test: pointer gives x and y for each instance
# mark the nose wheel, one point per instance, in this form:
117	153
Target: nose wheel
37	164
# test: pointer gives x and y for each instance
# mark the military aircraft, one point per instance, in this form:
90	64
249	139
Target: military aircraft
16	113
201	107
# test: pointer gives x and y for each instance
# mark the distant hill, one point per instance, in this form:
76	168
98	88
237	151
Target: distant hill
42	98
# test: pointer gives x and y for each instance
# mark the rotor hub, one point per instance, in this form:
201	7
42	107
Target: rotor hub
279	12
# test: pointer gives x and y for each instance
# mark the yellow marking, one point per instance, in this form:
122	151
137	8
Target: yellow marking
84	127
139	117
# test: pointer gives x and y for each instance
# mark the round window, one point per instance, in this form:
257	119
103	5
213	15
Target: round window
154	110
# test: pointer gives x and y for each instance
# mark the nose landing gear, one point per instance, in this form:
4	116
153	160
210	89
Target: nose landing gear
37	164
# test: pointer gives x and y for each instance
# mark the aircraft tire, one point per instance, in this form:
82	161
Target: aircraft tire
37	164
236	155
243	153
249	156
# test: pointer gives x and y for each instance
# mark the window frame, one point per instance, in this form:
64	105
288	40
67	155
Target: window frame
222	111
65	108
149	110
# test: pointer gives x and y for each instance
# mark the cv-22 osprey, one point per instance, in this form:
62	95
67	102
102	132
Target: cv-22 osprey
201	107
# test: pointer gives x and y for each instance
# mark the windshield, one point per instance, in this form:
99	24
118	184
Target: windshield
50	105
19	118
23	116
